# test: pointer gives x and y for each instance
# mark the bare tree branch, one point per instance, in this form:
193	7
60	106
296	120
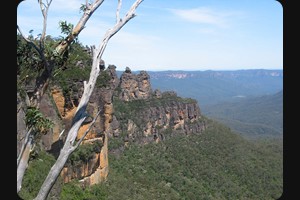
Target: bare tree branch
23	145
43	80
41	83
23	160
79	27
44	9
24	154
118	11
111	32
80	114
61	133
88	130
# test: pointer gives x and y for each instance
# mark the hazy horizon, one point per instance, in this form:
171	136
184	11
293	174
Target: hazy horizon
175	34
197	70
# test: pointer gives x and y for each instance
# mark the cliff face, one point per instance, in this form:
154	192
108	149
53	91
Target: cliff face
95	169
131	112
134	86
160	116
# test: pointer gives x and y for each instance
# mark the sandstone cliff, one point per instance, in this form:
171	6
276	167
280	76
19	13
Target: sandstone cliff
160	116
131	112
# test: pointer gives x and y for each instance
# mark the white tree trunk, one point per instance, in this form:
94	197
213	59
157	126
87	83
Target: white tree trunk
80	115
22	161
54	173
23	157
60	162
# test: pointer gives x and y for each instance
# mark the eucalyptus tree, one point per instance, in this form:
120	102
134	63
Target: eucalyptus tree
48	60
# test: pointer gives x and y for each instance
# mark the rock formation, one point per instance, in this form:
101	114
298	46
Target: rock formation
134	86
130	112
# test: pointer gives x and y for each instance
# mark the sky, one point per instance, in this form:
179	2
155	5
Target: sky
174	34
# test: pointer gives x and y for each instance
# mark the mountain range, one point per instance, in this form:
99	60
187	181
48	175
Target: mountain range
248	101
211	87
151	136
262	115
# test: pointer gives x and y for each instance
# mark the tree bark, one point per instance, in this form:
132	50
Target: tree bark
23	158
60	162
62	47
69	146
53	174
43	80
23	143
80	115
22	163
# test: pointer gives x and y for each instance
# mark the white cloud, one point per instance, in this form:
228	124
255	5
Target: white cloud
65	6
55	6
204	15
29	15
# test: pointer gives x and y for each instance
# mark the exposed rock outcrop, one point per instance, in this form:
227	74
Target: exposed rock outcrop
96	169
129	111
159	117
135	86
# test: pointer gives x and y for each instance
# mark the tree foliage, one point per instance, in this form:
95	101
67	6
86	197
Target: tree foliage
35	174
35	119
49	57
217	164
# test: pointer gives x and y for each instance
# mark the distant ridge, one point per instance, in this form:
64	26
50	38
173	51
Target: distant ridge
211	87
255	116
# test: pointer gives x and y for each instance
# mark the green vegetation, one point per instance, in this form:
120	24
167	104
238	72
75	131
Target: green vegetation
35	119
85	152
116	142
217	164
29	64
75	69
135	111
130	109
257	116
35	175
72	191
73	66
103	79
127	110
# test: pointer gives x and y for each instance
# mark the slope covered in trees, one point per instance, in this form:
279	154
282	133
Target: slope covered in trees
44	59
257	116
217	164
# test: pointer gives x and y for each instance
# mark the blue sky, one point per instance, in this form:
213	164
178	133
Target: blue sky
175	34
